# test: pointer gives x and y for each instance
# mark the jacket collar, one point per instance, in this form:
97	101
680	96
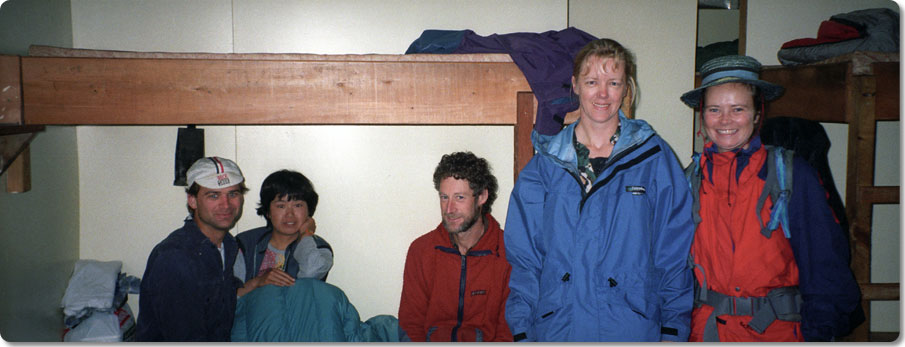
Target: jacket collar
742	155
559	147
491	241
196	237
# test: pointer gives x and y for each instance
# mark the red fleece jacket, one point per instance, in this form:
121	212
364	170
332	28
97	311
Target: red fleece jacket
450	297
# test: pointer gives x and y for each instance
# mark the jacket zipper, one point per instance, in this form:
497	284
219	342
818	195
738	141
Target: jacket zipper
463	271
460	313
610	162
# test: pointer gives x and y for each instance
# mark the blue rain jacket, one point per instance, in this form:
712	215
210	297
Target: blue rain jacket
608	265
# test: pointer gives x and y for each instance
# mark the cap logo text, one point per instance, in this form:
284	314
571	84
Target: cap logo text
222	179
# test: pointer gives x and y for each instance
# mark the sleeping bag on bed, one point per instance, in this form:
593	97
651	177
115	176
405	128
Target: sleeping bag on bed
309	311
875	30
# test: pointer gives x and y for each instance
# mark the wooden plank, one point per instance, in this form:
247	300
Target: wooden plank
887	76
879	291
200	91
860	112
524	149
10	91
879	195
11	146
20	129
18	175
884	336
815	92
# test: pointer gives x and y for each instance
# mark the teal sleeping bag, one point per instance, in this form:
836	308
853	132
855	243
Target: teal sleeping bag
309	311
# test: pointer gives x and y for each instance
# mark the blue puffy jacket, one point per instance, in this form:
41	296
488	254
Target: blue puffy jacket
607	265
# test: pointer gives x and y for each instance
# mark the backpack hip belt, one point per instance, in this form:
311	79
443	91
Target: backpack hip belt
782	303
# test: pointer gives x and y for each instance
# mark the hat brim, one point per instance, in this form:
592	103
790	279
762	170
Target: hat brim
769	90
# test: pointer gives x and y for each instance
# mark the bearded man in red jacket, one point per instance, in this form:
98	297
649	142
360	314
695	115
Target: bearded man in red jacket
456	278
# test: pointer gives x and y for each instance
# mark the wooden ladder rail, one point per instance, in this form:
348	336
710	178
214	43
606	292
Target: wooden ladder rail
862	194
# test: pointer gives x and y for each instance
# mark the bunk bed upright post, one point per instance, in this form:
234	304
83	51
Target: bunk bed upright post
862	126
524	125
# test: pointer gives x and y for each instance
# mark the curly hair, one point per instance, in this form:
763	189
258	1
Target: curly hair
467	166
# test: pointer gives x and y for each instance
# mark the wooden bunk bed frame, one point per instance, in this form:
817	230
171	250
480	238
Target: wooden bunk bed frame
857	89
59	86
62	86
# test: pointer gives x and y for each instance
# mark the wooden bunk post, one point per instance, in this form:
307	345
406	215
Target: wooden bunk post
861	139
18	178
524	124
861	193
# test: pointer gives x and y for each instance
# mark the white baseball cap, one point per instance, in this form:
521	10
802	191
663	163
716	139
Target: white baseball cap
214	173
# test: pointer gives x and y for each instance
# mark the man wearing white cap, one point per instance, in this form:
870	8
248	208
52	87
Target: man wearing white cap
188	292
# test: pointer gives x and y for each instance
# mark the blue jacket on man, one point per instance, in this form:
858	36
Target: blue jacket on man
188	293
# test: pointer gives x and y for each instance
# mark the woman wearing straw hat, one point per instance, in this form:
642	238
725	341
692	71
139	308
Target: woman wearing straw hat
599	222
761	276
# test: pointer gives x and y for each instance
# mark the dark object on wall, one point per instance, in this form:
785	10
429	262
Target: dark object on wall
809	140
189	148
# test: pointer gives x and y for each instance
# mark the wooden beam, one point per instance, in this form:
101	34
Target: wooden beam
18	177
10	90
879	291
524	149
206	91
11	146
815	92
887	76
859	113
878	195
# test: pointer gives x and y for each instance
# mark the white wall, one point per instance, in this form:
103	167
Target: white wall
374	181
774	22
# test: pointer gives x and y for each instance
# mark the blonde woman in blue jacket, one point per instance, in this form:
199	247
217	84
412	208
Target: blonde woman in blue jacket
599	223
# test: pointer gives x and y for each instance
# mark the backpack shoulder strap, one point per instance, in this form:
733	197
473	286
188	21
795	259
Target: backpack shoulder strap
693	176
778	186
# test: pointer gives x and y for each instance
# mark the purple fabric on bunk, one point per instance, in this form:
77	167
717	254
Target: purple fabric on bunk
545	58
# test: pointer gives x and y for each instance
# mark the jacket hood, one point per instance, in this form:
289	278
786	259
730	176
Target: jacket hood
559	147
